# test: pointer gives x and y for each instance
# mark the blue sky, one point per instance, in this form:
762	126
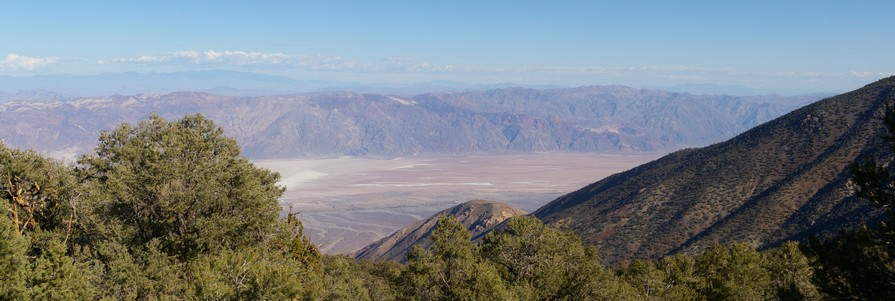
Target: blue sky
775	45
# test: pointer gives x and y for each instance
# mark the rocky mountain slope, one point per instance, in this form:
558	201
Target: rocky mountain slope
478	216
587	119
782	180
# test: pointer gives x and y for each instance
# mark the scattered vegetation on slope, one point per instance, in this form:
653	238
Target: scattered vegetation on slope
783	180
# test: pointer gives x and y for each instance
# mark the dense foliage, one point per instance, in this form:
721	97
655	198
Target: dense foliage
161	210
182	185
172	211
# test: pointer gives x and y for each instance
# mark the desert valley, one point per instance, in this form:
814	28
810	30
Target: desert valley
347	203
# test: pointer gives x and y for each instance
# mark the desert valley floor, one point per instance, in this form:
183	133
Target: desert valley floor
347	203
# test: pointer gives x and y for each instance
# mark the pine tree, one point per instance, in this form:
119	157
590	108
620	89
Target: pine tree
792	273
453	270
542	263
177	212
670	278
57	276
734	272
13	262
182	183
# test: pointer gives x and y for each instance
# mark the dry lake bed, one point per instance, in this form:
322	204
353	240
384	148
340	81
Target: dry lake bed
347	203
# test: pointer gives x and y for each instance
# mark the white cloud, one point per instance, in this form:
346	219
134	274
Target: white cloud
411	64
637	69
20	62
683	70
327	62
143	59
426	67
248	59
870	74
241	58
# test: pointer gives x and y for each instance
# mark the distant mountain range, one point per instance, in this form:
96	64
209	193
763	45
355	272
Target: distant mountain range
738	90
38	94
240	83
783	180
130	83
221	82
477	216
585	119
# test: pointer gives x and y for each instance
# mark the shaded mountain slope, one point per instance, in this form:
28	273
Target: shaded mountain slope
782	180
478	216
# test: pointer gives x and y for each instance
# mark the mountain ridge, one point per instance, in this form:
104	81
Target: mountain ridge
587	119
478	216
